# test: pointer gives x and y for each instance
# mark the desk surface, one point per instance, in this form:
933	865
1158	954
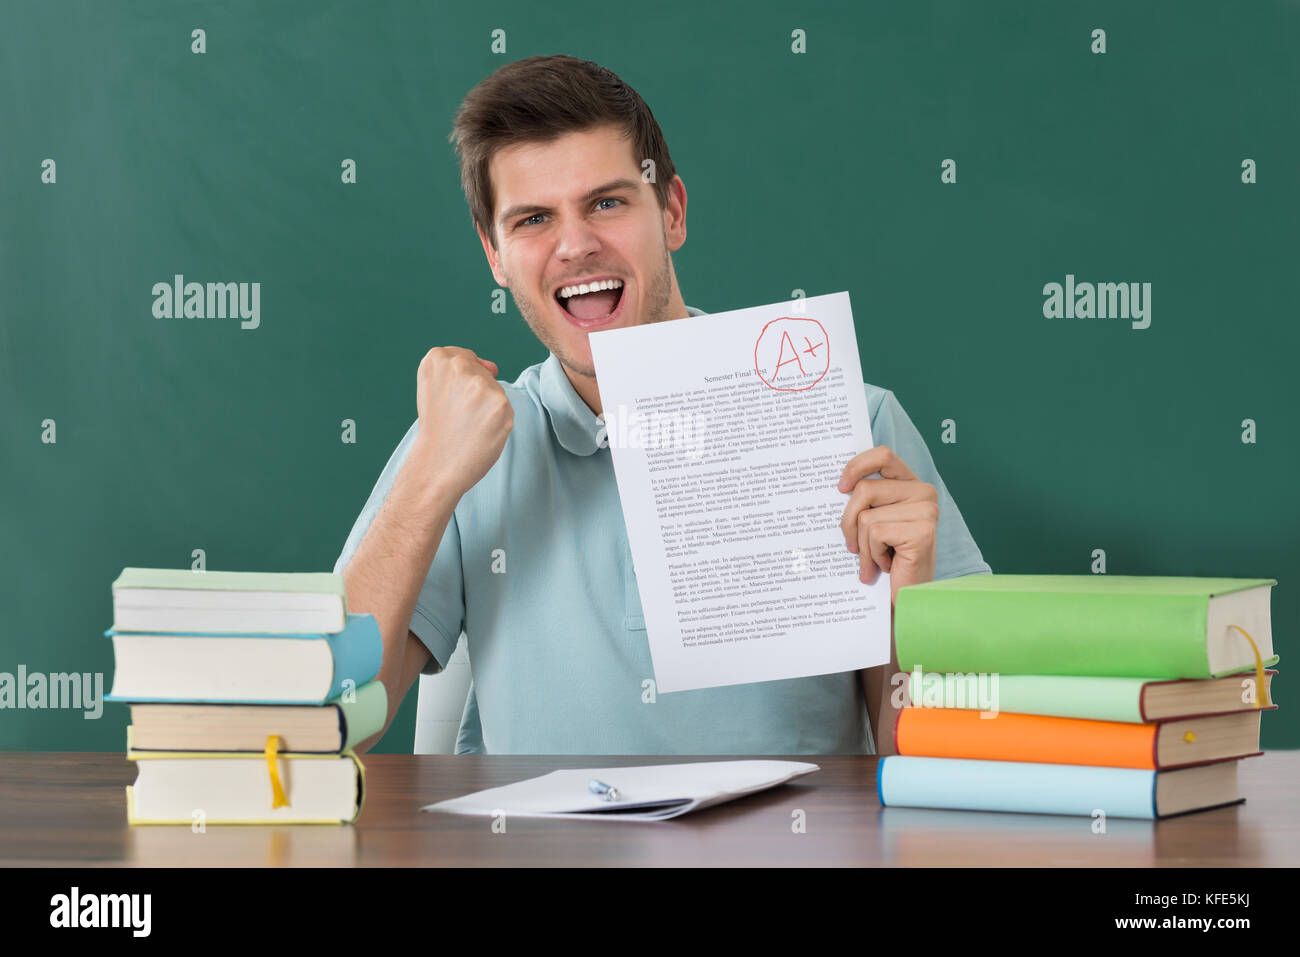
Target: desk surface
69	809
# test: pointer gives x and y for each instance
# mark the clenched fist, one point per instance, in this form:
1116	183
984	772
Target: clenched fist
465	415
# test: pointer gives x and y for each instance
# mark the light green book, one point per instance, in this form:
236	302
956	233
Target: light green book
1104	625
326	583
1130	700
181	600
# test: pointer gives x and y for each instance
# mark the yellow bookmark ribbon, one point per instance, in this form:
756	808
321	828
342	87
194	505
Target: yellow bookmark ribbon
1261	698
277	789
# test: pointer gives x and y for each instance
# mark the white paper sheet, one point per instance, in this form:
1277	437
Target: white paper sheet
729	433
647	793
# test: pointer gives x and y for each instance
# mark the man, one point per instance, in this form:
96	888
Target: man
498	513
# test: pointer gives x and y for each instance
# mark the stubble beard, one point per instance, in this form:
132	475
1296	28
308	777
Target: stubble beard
660	293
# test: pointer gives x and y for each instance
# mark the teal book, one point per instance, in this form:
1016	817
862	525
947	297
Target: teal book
244	668
1103	625
968	785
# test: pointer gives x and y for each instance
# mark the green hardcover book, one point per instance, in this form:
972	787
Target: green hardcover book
1107	625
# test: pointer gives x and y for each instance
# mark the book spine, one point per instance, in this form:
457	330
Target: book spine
1063	696
358	652
361	787
962	784
364	715
953	733
1045	633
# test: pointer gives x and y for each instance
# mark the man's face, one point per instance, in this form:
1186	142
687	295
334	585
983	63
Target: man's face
575	210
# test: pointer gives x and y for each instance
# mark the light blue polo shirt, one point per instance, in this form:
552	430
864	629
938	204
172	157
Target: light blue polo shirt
535	569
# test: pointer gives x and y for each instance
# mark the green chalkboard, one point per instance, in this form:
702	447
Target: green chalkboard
815	146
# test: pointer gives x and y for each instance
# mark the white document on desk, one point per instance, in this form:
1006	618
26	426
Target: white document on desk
729	433
648	793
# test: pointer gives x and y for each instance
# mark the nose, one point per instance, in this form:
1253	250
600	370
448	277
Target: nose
577	240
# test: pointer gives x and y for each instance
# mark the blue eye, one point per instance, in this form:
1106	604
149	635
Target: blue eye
607	199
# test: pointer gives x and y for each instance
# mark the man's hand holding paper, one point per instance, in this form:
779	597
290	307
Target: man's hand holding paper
891	523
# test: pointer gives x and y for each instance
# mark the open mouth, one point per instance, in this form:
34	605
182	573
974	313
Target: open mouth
598	306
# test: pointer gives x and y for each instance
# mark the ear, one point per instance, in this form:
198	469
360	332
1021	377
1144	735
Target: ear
493	257
675	215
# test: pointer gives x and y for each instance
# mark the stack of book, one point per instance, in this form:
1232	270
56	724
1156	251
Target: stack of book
247	693
1095	695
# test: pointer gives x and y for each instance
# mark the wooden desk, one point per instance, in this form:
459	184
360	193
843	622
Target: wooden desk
69	809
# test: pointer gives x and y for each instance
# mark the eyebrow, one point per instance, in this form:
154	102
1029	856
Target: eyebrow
527	210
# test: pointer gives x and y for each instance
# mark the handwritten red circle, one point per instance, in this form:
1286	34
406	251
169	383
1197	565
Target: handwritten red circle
826	340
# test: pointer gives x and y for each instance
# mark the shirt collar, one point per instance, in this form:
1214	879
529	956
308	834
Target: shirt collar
576	426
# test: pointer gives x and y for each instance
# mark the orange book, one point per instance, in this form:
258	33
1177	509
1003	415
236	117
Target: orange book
1156	745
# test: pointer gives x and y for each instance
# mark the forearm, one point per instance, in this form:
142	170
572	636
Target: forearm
879	687
385	574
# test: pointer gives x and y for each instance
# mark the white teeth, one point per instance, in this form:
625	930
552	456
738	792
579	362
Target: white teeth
583	288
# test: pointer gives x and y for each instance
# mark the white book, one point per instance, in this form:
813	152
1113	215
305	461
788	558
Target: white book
229	788
652	793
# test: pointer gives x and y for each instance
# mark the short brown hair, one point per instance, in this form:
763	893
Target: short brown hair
538	99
